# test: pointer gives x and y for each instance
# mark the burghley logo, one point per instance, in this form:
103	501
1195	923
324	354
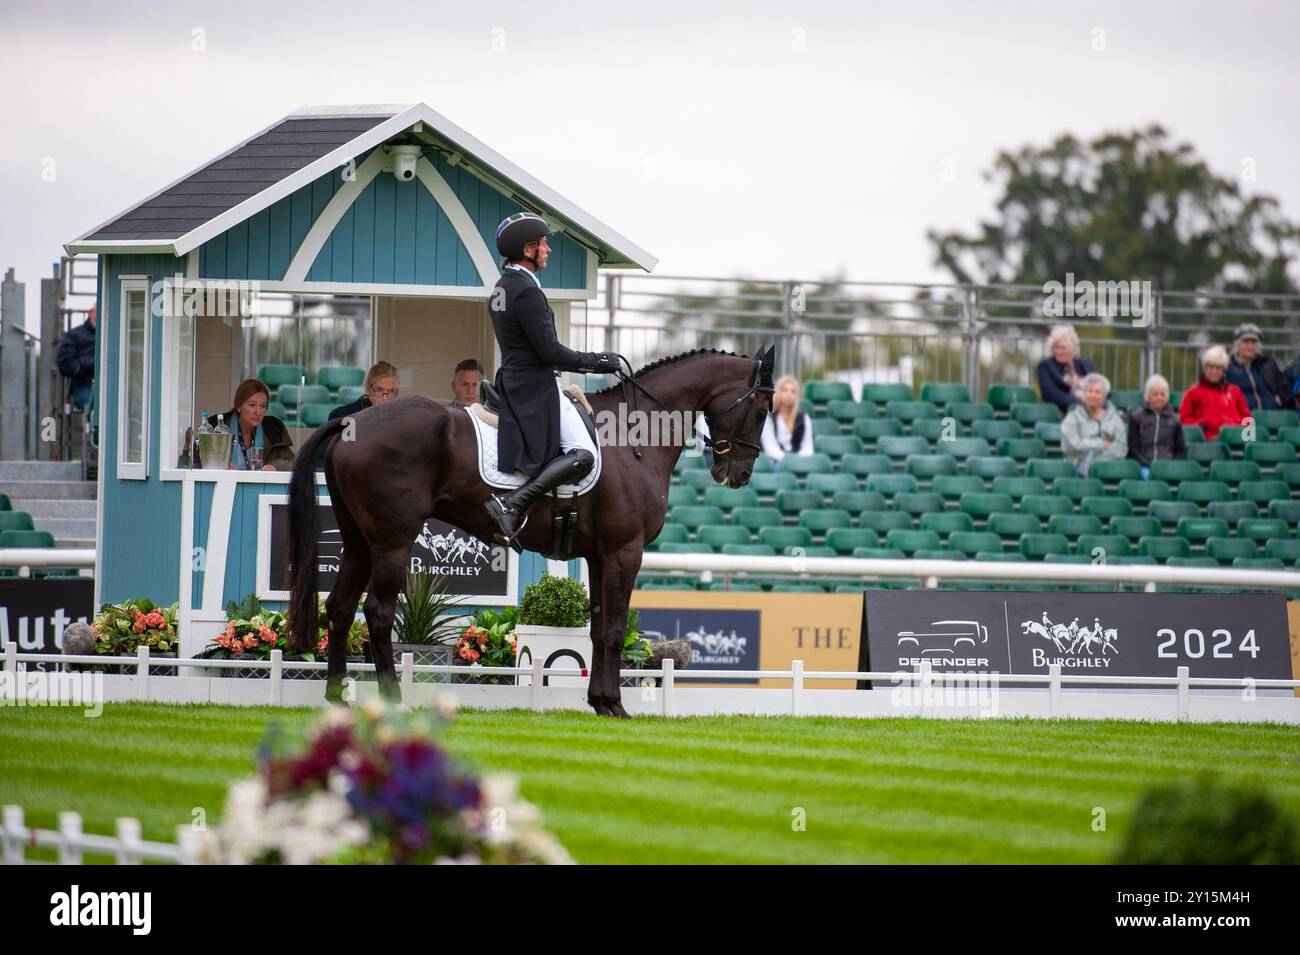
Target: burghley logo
103	908
1093	642
716	648
456	553
1106	300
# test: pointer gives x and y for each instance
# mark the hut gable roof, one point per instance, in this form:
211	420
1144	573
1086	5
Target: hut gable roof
308	143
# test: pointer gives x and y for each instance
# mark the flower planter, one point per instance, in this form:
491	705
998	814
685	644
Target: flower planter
425	655
163	671
478	674
565	647
255	673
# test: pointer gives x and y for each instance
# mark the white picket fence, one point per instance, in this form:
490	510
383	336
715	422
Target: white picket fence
922	692
72	844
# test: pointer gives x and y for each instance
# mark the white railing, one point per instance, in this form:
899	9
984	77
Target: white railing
71	843
921	692
25	558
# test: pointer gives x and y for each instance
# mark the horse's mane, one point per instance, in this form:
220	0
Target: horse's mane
671	359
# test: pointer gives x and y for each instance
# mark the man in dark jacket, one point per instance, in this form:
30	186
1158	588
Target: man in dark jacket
1259	377
541	432
380	385
76	359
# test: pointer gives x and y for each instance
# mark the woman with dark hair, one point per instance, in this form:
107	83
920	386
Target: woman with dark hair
259	441
786	431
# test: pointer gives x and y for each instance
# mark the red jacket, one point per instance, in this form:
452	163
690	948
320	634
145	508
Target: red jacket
1213	406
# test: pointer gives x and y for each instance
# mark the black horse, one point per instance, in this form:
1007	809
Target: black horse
410	459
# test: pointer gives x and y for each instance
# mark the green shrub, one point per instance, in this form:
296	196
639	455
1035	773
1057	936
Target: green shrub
555	602
1209	822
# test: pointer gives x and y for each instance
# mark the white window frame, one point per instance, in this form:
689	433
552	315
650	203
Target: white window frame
133	470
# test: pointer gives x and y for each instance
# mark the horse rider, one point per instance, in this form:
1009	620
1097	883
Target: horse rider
541	432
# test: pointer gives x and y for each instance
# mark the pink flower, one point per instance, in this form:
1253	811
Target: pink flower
230	629
473	655
268	635
223	640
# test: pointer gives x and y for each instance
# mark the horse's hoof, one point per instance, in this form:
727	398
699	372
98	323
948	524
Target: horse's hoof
616	709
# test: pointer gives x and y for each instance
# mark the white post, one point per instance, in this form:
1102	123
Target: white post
11	657
70	833
1184	693
128	837
277	677
535	694
1149	587
408	673
924	681
796	687
13	834
670	709
185	839
142	673
1054	689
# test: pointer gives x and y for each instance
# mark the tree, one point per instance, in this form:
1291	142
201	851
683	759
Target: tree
1124	206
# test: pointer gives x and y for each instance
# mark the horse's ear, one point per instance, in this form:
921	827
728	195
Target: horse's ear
767	362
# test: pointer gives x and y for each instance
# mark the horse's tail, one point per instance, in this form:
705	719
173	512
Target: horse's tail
303	529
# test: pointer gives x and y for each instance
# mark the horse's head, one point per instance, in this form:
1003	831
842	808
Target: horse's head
735	414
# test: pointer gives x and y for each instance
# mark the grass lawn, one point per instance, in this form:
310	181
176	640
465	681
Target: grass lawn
706	789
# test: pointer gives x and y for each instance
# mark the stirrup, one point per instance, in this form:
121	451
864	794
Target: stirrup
496	515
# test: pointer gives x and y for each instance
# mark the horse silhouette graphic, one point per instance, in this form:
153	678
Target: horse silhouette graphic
454	547
1069	638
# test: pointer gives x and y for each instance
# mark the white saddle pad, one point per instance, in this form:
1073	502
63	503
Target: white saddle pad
495	477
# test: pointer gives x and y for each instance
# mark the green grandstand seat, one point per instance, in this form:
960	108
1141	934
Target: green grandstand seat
963	449
1106	507
836	446
682	496
882	522
701	481
1263	529
816	550
1011	527
1283	548
995	431
1049	469
691	462
926	467
953	486
1131	560
1171	512
1074	525
5	503
1198	561
1192	433
792	502
870	430
768	484
823	519
1003	397
909	411
1207	452
1019	487
879	553
821	392
1038	546
891	484
25	538
716	535
1029	414
1176	470
695	548
899	447
1048	432
756	517
347	394
1290	473
1234	472
335	377
1067	559
968	412
1163	548
1234	435
1275	418
1115	470
800	464
1144	492
860	465
1198	530
729	498
919	502
1126	400
990	468
945	393
1043	506
847	412
1288	511
273	376
289	396
16	521
934	430
748	550
981	505
1263	492
911	541
1022	449
1134	528
1289	435
783	537
830	483
696	516
1272	453
882	394
970	543
845	539
1077	488
855	502
1232	511
1227	549
673	534
1111	545
944	523
825	428
1000	555
940	554
1258	563
281	413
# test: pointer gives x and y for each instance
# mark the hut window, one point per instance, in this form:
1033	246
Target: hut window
133	380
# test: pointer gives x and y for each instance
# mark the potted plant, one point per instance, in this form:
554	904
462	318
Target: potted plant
423	624
637	650
554	625
123	628
488	641
252	632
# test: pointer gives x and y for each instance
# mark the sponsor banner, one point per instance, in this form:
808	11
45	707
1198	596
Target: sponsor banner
822	630
34	612
482	573
1113	634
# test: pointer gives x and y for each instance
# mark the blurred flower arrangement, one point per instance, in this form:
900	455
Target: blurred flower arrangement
252	629
372	785
123	628
489	640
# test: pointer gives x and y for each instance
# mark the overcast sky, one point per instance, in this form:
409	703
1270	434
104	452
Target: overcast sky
774	139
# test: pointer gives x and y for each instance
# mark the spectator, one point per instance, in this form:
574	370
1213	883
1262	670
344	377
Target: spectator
1060	377
1093	430
1154	431
1260	379
253	430
380	385
786	431
76	360
464	383
1215	401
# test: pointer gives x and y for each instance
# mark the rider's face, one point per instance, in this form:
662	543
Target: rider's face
543	250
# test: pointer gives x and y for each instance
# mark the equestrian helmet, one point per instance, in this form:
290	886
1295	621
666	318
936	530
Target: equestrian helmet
517	231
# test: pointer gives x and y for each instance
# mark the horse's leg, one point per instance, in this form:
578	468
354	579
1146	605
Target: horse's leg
596	576
340	611
387	577
617	581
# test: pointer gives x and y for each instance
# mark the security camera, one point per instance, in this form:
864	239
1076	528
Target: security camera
404	158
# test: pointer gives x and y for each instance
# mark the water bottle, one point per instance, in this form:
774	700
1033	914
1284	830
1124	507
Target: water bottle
204	427
221	425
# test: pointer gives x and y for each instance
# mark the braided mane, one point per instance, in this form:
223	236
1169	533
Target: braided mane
670	360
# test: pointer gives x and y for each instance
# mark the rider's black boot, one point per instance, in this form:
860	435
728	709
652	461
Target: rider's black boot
510	511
